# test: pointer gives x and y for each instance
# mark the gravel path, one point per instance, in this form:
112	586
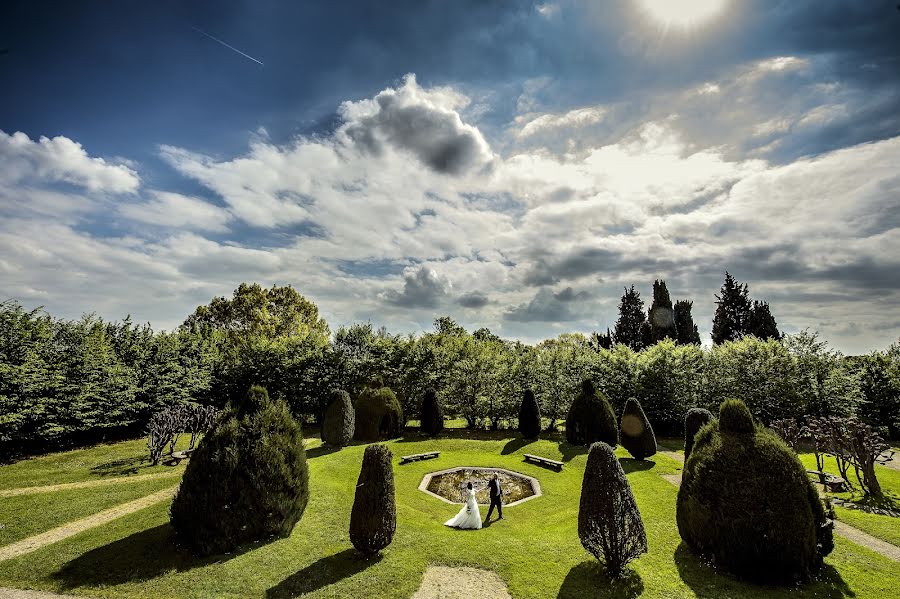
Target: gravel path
441	582
675	455
868	541
19	594
894	462
72	528
675	479
87	483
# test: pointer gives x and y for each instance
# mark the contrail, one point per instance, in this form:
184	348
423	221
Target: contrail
230	47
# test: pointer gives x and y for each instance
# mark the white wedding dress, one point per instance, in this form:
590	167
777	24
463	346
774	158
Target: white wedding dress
468	516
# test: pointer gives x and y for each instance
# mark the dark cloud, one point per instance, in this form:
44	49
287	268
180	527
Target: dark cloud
591	261
474	299
547	306
422	288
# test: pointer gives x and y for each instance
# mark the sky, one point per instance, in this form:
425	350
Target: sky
513	165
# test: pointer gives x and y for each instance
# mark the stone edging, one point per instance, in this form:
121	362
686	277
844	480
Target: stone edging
426	480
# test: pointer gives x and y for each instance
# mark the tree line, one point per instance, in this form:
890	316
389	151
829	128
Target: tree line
67	382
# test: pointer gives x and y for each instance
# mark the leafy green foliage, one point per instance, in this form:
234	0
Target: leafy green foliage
591	418
746	502
247	480
529	416
339	423
373	519
431	417
635	431
609	523
378	415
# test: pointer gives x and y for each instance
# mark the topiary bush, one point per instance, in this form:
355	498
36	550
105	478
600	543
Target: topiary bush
529	416
431	419
247	480
694	420
339	423
373	519
609	523
591	418
635	431
378	414
745	501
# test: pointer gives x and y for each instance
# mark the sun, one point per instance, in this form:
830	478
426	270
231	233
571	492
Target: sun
683	13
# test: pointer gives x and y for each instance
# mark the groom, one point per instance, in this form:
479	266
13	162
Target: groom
496	494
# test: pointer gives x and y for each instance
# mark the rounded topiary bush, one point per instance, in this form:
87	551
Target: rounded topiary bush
591	418
373	519
746	502
529	416
635	432
247	480
378	414
694	420
609	523
431	419
340	420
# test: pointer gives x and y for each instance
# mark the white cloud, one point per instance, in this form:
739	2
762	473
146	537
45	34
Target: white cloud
169	209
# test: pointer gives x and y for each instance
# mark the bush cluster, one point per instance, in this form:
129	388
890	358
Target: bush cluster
591	418
694	420
431	417
635	431
378	414
339	423
529	416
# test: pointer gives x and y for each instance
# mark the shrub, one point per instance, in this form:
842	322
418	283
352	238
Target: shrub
339	423
373	519
746	502
529	416
163	429
591	418
788	431
199	419
635	431
694	420
378	414
609	523
247	480
431	419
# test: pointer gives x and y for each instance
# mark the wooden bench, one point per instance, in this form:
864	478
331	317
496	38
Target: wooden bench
545	461
832	483
177	456
419	456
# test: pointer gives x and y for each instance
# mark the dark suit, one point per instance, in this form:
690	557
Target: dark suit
496	495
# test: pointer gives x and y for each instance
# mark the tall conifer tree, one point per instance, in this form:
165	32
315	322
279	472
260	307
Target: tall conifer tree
630	328
732	311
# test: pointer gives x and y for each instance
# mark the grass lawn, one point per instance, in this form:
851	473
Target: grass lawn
535	550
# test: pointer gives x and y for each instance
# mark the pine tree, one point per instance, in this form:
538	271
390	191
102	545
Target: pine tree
631	328
600	341
685	328
761	323
661	316
732	311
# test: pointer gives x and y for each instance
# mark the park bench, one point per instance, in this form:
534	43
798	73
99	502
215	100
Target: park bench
177	456
541	460
832	483
419	456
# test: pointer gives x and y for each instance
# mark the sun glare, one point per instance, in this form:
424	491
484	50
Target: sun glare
683	13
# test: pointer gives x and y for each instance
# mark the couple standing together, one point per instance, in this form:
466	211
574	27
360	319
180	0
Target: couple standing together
469	516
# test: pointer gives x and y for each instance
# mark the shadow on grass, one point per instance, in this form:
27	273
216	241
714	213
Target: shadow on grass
138	557
709	583
326	571
320	451
589	579
121	467
569	451
633	465
514	445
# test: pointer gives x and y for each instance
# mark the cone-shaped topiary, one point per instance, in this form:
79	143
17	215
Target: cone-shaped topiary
529	416
609	523
247	480
340	420
746	502
635	432
431	419
378	415
373	519
591	418
694	420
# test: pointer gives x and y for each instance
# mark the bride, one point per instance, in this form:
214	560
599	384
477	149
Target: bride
468	516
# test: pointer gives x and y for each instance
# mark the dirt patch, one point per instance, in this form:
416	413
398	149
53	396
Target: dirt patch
86	483
675	479
442	582
675	455
72	528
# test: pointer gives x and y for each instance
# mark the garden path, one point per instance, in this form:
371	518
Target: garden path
22	594
72	528
87	483
675	455
442	582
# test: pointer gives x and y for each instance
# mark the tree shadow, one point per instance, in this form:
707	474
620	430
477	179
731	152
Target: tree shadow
633	465
321	450
121	467
138	557
514	445
589	579
569	451
326	571
708	582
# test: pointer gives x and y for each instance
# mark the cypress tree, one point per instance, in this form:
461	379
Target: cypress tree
761	323
635	431
373	519
631	328
661	316
694	420
732	311
340	420
685	328
609	523
591	418
529	416
431	418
